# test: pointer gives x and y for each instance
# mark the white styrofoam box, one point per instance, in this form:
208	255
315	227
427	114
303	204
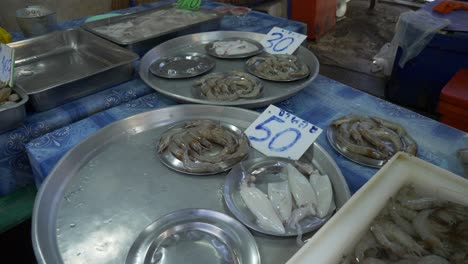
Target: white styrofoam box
341	233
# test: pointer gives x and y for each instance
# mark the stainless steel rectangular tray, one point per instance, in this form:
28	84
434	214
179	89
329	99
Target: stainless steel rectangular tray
141	31
65	65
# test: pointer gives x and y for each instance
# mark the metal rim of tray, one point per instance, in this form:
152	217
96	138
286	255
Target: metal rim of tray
209	49
154	69
290	89
88	26
234	178
52	192
221	226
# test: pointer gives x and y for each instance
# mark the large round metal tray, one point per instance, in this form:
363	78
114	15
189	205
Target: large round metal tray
108	188
199	235
181	90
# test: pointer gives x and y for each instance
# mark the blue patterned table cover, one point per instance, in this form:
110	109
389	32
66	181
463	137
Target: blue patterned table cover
15	170
321	102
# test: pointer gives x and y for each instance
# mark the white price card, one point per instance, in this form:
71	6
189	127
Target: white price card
6	64
282	41
278	133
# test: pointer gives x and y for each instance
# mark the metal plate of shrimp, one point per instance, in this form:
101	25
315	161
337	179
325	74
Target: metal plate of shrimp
181	90
234	48
182	66
278	67
228	86
202	147
367	140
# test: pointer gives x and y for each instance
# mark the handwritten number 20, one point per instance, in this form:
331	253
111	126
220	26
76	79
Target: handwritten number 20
279	43
271	145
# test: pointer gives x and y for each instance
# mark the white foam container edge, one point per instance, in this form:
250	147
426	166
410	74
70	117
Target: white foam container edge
340	234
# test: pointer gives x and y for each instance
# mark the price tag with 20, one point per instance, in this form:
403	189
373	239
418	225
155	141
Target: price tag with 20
282	41
278	133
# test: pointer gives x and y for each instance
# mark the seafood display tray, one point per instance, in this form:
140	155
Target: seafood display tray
12	116
65	65
340	234
182	90
105	191
142	44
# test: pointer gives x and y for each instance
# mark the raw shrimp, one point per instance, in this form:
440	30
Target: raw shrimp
400	221
389	124
423	227
278	67
355	134
375	141
324	191
305	168
361	150
432	259
394	239
261	207
368	242
281	199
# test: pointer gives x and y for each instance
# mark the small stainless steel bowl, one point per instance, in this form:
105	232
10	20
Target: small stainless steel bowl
36	20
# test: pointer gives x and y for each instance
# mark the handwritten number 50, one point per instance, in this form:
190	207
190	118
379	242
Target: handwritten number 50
271	145
279	43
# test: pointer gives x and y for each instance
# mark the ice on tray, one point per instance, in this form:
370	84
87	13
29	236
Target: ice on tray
153	24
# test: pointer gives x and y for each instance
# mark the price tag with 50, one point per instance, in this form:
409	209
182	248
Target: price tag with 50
282	41
6	65
281	134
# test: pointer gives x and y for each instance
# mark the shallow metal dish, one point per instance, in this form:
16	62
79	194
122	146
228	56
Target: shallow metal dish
212	51
111	186
174	163
63	66
12	116
198	235
141	43
252	67
239	209
182	66
181	90
375	163
197	92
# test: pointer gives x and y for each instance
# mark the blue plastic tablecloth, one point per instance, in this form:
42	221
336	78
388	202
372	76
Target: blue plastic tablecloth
321	102
15	170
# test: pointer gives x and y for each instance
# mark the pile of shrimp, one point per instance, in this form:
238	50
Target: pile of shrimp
279	67
204	146
229	86
413	228
290	200
372	137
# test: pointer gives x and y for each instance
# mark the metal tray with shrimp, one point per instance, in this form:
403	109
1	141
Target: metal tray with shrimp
106	190
278	67
181	90
368	140
182	66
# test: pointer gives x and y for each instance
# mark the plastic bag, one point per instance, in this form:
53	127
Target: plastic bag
414	31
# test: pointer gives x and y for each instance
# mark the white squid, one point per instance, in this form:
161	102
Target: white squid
302	191
281	199
261	207
324	191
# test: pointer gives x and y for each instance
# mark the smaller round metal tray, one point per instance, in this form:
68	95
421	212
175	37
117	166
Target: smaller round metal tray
360	159
266	171
194	236
171	161
185	65
209	87
296	71
242	43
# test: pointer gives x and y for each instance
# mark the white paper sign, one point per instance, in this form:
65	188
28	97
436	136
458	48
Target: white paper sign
282	41
6	64
278	133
